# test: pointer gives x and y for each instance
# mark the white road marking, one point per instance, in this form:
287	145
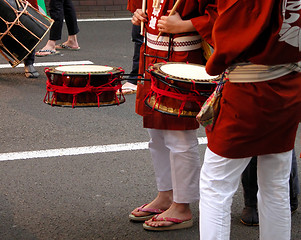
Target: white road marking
79	150
103	19
49	64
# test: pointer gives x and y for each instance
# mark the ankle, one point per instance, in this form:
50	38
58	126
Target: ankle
181	207
72	39
166	196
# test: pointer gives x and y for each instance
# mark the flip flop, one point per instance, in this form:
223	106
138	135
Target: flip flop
177	224
152	212
66	47
51	52
31	72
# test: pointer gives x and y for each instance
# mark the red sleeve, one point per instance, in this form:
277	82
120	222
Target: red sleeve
238	25
204	23
34	3
133	5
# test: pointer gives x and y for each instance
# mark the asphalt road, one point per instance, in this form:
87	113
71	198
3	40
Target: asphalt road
83	196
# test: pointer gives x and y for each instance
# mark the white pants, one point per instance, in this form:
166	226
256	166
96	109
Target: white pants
219	181
176	161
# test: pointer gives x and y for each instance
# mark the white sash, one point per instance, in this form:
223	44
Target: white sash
186	43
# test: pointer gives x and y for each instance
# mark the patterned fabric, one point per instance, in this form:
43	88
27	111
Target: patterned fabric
210	110
179	44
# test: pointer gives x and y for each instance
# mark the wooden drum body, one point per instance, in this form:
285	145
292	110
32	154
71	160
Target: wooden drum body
22	27
179	89
84	85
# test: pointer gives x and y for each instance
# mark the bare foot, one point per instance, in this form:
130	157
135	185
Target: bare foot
162	201
179	211
48	49
71	43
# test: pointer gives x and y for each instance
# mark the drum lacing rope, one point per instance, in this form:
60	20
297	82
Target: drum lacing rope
74	91
106	88
193	96
119	85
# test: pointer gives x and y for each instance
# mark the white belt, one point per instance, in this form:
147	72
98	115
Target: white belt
187	43
260	73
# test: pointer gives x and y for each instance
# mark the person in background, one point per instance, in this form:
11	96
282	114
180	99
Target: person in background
130	86
174	144
60	10
259	113
249	214
29	69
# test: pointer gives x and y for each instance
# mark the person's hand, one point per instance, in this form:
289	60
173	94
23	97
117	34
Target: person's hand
174	24
138	17
170	24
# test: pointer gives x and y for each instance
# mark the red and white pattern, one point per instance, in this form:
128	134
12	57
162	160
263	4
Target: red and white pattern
187	43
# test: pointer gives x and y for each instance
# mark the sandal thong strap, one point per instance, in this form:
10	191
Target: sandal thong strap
167	219
47	50
150	210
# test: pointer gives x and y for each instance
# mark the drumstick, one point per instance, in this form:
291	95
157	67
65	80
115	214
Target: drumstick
143	10
171	13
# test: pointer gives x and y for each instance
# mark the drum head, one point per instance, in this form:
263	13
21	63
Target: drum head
183	72
85	69
186	71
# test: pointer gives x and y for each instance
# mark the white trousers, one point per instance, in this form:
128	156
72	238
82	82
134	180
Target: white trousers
176	161
219	181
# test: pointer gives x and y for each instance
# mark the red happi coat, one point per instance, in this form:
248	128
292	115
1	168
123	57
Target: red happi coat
262	32
202	14
256	118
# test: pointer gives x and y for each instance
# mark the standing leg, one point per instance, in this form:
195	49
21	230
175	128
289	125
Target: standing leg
70	18
131	84
219	181
30	71
249	214
137	38
72	26
160	155
185	172
249	182
294	184
185	165
56	12
273	196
